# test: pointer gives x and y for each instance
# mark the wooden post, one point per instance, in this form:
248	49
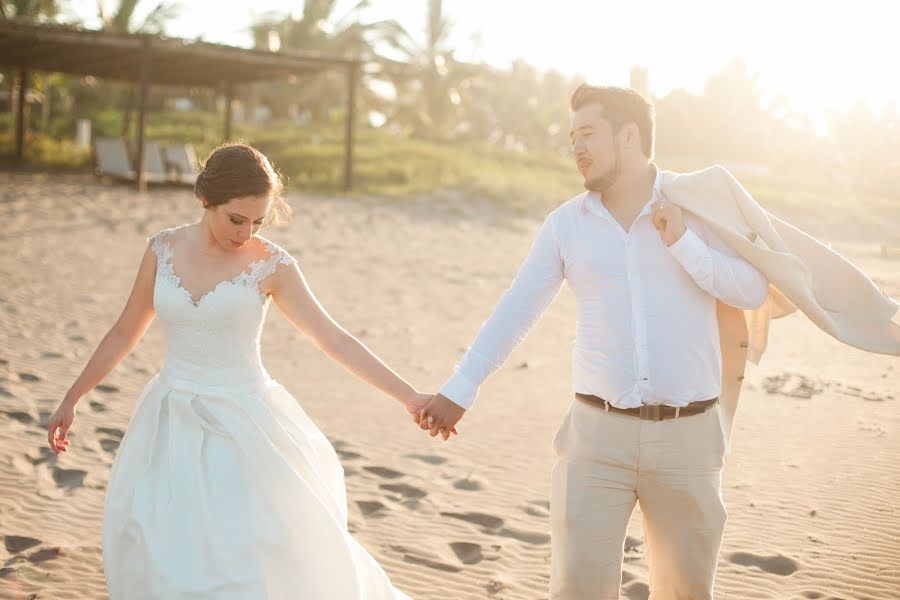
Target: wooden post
142	113
20	117
229	97
352	79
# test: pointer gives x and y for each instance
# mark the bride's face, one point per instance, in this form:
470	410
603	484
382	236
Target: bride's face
236	221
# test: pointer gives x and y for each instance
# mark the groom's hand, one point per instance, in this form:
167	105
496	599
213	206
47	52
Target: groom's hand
416	403
440	416
668	220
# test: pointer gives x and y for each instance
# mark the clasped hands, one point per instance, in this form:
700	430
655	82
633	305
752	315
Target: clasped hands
437	414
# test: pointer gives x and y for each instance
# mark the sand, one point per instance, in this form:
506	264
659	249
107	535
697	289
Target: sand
812	486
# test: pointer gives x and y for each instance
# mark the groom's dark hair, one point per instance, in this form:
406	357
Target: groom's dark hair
620	106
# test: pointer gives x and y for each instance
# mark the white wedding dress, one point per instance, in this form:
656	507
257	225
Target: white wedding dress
223	488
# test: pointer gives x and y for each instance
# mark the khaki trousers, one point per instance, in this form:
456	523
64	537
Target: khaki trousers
605	463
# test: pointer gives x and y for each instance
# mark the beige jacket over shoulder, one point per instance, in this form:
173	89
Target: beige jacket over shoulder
802	272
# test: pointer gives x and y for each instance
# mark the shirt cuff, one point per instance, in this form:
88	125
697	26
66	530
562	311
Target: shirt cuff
689	249
460	390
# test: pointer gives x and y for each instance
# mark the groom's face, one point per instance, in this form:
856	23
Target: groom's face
595	147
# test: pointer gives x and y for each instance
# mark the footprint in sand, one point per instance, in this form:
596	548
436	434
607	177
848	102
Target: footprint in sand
44	555
31	377
69	478
468	484
384	472
812	595
114	432
777	565
15	544
51	355
467	552
77	338
536	512
408	492
5	392
106	388
429	458
638	591
632	544
529	537
538	508
370	508
46	455
21	417
791	384
857	392
98	406
417	559
494	587
109	446
480	519
494	525
347	455
111	443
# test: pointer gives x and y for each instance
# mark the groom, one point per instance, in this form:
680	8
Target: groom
645	422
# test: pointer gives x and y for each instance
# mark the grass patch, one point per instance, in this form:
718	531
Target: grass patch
311	159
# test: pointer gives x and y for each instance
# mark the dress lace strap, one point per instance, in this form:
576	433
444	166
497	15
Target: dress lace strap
163	253
263	268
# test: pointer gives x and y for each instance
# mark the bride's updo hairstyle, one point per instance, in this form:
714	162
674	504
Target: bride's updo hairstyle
237	171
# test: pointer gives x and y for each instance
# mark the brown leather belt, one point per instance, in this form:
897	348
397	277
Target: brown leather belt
652	413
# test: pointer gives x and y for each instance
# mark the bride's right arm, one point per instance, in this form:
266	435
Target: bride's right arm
296	301
124	335
115	345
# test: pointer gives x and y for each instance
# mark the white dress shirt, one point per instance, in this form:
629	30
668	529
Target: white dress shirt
646	330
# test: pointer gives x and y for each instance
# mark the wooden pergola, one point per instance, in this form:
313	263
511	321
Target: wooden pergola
154	60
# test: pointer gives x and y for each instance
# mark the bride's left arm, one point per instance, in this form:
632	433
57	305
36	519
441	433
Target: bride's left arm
296	301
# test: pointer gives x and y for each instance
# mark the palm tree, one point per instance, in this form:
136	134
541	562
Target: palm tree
431	85
318	29
122	20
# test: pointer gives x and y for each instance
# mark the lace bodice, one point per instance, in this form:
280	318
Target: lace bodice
213	343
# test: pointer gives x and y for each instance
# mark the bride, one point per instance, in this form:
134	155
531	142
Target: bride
223	487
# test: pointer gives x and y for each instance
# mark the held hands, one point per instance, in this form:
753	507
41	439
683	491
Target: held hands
668	220
414	407
58	426
439	416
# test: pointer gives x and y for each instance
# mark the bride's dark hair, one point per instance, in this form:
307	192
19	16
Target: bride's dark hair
238	170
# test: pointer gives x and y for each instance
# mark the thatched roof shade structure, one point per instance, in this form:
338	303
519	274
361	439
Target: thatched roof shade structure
153	60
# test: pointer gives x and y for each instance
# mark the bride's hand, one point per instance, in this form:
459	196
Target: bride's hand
58	427
416	403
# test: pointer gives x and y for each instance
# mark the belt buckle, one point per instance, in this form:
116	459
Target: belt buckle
651	413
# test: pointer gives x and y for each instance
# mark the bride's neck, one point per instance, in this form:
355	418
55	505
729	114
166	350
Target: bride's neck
205	238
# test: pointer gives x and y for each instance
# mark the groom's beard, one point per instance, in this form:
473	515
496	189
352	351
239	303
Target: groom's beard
603	182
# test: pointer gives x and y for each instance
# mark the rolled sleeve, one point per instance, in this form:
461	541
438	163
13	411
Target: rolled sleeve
719	271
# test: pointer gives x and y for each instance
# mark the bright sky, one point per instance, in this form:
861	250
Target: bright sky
818	54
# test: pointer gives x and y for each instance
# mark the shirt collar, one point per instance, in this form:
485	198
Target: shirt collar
594	202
